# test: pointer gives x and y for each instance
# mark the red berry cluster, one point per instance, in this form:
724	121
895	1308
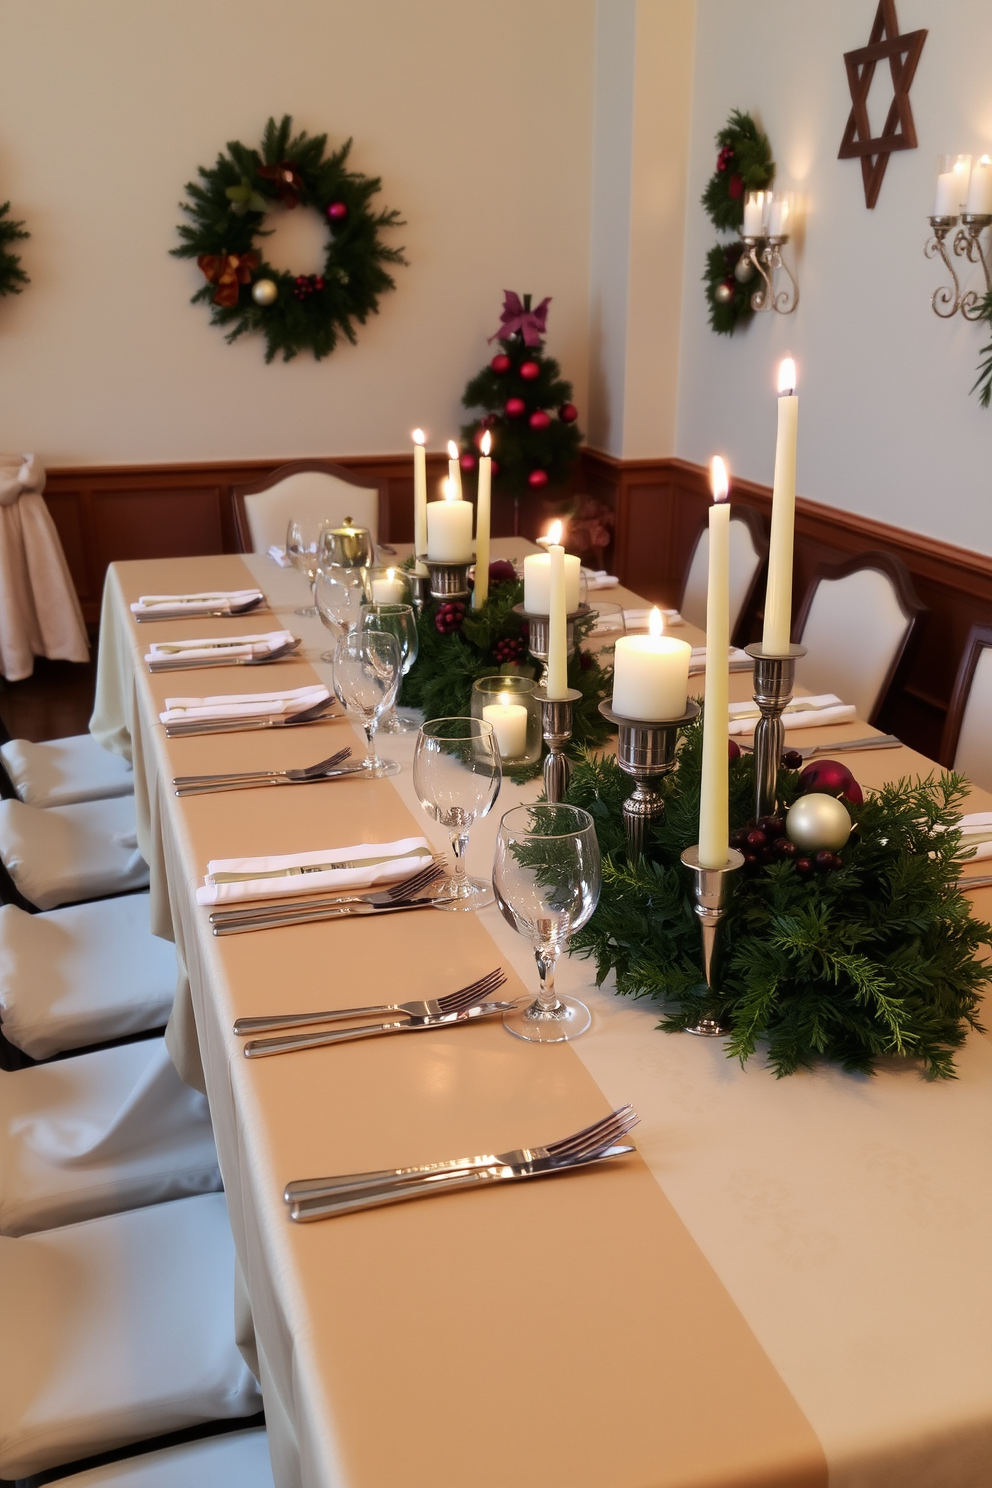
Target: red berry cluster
724	158
449	616
764	841
792	760
510	649
306	285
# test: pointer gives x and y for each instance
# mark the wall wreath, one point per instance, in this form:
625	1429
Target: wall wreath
227	208
744	164
12	276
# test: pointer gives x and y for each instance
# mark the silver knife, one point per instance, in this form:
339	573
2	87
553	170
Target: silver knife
290	1043
261	780
310	917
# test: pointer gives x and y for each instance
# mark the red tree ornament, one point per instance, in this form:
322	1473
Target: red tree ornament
467	461
568	413
830	778
538	479
515	408
539	420
530	370
501	364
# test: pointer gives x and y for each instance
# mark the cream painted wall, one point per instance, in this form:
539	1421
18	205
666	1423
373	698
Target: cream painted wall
476	113
887	427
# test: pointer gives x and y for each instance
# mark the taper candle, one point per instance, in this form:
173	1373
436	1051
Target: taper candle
556	685
454	470
778	591
419	497
482	521
714	791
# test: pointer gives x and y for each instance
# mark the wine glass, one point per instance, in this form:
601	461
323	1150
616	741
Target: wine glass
339	595
547	878
301	549
401	621
366	677
457	775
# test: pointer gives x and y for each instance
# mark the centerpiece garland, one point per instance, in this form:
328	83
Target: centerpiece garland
744	164
12	276
879	957
227	207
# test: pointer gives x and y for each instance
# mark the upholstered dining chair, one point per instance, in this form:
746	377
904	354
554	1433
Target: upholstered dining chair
62	772
310	491
748	555
65	854
238	1459
967	742
855	621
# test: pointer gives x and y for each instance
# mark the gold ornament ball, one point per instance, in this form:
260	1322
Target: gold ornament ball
723	294
743	269
265	292
818	823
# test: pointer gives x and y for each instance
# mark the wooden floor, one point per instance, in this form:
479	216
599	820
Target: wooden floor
52	704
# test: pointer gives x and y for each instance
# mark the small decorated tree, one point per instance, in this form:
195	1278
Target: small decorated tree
526	404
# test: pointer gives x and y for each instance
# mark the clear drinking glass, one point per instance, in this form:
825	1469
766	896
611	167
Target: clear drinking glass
339	596
399	620
301	549
457	775
366	676
547	878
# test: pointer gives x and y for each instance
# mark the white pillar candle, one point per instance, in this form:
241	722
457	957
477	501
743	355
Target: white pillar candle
778	592
419	497
651	674
454	469
509	721
714	793
449	529
778	217
980	188
482	522
952	185
754	214
389	590
556	685
537	578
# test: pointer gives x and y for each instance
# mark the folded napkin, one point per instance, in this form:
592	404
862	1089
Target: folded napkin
598	578
973	824
211	647
638	619
230	879
243	705
196	604
280	556
807	712
982	850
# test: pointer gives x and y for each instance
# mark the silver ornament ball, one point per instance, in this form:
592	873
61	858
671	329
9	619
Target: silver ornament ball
723	294
264	291
818	823
743	269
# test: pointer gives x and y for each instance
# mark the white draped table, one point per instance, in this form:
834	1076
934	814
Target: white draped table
789	1285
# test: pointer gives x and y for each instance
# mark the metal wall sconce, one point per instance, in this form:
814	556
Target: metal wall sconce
766	231
964	194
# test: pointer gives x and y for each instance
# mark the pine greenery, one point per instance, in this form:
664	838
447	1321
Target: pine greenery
12	276
984	379
744	164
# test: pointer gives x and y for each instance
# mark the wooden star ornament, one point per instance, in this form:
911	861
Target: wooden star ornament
899	133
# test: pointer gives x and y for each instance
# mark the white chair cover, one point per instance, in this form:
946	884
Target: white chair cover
82	974
69	853
117	1330
63	772
854	628
104	1132
310	497
744	563
973	756
237	1460
39	611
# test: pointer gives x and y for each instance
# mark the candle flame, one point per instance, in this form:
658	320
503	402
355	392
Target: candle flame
504	699
452	450
985	161
786	377
390	574
486	443
554	534
656	624
448	486
418	436
719	478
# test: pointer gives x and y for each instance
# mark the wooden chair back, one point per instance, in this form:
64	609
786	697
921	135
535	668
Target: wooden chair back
309	491
967	741
748	556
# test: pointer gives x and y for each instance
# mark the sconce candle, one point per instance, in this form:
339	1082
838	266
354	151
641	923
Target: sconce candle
651	674
754	214
454	469
952	185
778	217
778	593
537	578
482	522
980	189
419	496
714	793
449	528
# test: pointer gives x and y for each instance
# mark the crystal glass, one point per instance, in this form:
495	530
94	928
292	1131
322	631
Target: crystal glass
457	775
503	693
301	549
339	595
399	620
366	677
547	877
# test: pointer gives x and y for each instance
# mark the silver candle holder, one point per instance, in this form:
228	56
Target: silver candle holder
420	588
539	627
556	724
447	579
774	678
710	886
646	752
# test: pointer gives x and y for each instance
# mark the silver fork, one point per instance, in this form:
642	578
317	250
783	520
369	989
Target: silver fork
196	664
308	772
874	741
433	1007
292	1043
397	893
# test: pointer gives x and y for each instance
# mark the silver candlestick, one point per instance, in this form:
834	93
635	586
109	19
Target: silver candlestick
448	580
710	891
420	588
538	628
774	676
645	752
556	722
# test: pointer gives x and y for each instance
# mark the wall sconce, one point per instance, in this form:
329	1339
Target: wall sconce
964	192
766	231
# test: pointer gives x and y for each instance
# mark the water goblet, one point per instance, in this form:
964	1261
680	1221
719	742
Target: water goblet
339	596
366	676
457	775
301	549
547	878
401	621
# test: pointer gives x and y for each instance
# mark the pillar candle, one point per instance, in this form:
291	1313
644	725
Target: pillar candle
509	721
482	521
556	685
389	590
754	214
714	829
952	186
778	217
651	674
778	593
449	529
454	469
537	577
419	497
980	188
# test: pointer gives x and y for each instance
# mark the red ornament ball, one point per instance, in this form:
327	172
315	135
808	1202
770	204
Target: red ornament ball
540	420
501	571
568	413
530	370
467	461
830	778
538	479
501	364
735	188
515	407
733	749
337	211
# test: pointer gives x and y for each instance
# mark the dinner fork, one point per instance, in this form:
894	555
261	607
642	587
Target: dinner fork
451	1002
291	1043
405	889
874	741
187	785
196	664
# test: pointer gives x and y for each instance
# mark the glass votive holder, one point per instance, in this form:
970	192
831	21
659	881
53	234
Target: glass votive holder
507	702
387	585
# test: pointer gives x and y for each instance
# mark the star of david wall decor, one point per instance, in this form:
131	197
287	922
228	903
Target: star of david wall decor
899	132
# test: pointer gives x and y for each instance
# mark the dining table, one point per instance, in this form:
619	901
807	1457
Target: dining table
788	1282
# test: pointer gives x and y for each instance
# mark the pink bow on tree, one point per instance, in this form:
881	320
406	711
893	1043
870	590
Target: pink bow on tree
517	315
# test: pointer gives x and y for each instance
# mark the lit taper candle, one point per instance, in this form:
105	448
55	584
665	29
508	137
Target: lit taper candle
419	496
778	593
556	685
714	828
482	521
454	470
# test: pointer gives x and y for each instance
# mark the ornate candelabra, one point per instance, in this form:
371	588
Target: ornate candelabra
538	628
645	752
556	724
948	299
710	888
764	254
774	676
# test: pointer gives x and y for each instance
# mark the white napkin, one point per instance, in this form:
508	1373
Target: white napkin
280	556
366	867
638	619
739	660
982	850
243	705
214	646
807	712
195	604
598	578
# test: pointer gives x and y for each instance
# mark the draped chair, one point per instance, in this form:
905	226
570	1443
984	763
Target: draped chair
238	1459
967	742
62	772
748	556
308	491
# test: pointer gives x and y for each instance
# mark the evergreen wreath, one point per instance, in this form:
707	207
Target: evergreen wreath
744	164
880	958
12	276
227	207
984	379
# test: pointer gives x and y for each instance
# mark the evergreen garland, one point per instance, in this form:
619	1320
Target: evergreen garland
984	379
12	276
744	164
227	207
879	958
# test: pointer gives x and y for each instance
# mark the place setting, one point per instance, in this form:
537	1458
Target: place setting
210	604
221	651
232	713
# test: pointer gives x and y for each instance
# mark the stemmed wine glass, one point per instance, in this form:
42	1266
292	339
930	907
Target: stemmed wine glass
457	775
547	879
366	676
399	620
301	550
339	595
